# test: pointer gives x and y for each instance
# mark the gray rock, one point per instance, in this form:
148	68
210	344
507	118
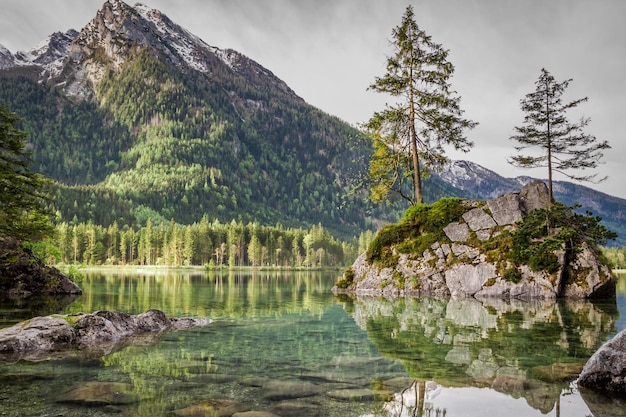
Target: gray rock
288	409
534	195
94	334
595	279
478	219
458	266
464	251
359	395
39	334
483	368
24	275
101	394
457	232
213	407
255	414
467	279
459	355
605	371
287	390
483	234
506	209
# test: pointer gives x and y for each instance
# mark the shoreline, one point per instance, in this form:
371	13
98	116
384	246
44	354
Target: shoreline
193	268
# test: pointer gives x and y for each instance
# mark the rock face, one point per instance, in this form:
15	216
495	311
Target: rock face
95	334
605	371
22	274
457	266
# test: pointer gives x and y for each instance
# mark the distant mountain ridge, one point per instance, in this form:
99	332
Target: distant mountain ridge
134	117
474	181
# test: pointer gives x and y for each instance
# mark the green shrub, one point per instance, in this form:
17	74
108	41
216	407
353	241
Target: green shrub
512	274
347	279
421	226
544	261
400	279
542	232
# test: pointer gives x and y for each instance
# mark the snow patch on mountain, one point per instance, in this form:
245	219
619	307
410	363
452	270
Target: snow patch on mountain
474	178
6	58
188	46
49	54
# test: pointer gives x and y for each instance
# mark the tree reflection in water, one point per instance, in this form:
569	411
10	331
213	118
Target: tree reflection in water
530	349
413	401
441	357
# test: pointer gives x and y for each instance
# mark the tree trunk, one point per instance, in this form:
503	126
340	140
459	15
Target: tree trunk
549	144
417	180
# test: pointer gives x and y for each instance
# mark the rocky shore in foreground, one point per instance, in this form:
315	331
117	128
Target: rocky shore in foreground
91	335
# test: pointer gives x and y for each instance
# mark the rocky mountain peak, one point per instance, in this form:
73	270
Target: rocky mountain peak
6	58
107	41
469	176
49	54
54	49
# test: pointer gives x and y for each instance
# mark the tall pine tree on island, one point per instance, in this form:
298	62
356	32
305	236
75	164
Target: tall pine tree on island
563	146
409	137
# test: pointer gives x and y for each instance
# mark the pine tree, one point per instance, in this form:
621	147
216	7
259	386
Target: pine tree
410	135
563	145
22	198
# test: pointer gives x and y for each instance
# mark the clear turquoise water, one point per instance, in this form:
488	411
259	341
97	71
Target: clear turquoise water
335	356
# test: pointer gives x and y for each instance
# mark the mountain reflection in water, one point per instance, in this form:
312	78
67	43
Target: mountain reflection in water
282	340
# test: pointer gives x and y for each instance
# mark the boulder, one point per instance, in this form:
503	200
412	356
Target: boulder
22	274
457	232
293	408
478	219
277	390
213	407
605	371
506	209
95	334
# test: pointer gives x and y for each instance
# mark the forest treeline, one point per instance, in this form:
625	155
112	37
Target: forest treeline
616	257
164	144
208	243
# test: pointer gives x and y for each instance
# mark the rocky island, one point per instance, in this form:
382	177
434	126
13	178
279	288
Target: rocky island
519	245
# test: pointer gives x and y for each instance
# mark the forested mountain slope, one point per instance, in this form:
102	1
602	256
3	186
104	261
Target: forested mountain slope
136	118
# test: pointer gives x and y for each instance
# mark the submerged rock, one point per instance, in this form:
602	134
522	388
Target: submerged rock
605	371
288	390
292	408
101	394
95	334
214	407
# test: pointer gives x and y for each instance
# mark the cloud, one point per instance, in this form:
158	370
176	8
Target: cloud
330	51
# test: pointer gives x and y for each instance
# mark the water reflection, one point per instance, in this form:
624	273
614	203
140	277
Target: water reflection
13	310
217	294
352	356
531	350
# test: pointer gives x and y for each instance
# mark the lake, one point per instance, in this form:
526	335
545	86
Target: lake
283	343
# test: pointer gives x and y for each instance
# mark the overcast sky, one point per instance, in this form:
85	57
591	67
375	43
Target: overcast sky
330	51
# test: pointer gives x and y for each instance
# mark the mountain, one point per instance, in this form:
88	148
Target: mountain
474	181
135	118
